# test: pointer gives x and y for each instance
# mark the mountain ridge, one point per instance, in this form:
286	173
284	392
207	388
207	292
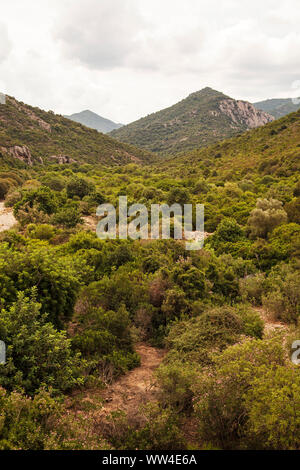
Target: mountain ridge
34	136
202	118
94	121
278	107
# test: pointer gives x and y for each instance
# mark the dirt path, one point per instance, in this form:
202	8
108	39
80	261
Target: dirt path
128	392
270	325
7	219
137	386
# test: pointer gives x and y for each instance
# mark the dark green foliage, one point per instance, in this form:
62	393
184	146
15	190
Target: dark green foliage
50	136
194	122
36	354
79	187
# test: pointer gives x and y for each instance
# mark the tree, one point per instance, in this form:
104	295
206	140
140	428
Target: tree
267	215
79	187
178	196
273	407
37	354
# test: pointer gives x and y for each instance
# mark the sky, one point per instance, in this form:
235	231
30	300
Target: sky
124	59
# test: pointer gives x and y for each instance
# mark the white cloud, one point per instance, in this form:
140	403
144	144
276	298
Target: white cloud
127	58
5	43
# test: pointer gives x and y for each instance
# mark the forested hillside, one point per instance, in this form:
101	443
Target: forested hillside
278	107
202	118
34	136
77	312
273	150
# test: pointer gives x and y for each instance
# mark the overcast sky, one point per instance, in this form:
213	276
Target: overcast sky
127	58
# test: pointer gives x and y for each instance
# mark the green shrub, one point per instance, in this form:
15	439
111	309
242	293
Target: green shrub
37	355
175	380
252	288
273	408
79	187
40	232
220	391
282	300
267	215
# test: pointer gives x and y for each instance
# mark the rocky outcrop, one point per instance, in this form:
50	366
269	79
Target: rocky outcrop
62	159
242	112
43	124
22	153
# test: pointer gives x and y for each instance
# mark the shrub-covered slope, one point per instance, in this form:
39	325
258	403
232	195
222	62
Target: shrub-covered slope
32	135
273	149
278	107
202	118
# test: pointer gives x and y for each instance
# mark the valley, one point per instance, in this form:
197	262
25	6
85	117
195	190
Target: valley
121	342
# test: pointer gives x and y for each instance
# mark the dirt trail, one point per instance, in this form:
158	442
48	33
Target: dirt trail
270	325
7	219
137	386
128	392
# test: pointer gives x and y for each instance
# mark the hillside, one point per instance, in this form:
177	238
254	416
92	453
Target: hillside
273	149
202	118
277	107
31	135
94	121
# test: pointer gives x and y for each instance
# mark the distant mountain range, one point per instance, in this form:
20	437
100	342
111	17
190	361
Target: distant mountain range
94	121
278	107
203	118
31	136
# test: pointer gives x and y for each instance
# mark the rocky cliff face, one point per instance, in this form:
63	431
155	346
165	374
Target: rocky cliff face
201	119
242	112
22	153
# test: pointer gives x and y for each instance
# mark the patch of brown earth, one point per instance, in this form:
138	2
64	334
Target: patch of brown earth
7	219
137	386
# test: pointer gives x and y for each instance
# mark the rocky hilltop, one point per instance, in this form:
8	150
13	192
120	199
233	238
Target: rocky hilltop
30	136
202	118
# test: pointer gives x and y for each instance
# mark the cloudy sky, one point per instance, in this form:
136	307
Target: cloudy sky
127	58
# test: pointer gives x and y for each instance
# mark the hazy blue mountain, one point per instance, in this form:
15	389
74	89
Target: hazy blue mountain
278	107
93	120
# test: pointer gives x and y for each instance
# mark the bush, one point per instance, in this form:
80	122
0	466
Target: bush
273	408
12	198
79	187
40	232
221	410
37	355
194	339
157	429
282	300
42	423
252	288
267	215
67	216
175	380
40	266
253	325
4	187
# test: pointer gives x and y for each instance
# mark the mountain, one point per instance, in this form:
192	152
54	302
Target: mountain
93	120
272	150
278	107
31	135
202	118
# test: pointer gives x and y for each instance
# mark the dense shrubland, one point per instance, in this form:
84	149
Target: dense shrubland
72	305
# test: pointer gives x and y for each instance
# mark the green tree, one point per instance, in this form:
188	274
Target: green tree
37	354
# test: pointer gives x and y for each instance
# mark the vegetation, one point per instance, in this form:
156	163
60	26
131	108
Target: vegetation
47	134
196	121
73	306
